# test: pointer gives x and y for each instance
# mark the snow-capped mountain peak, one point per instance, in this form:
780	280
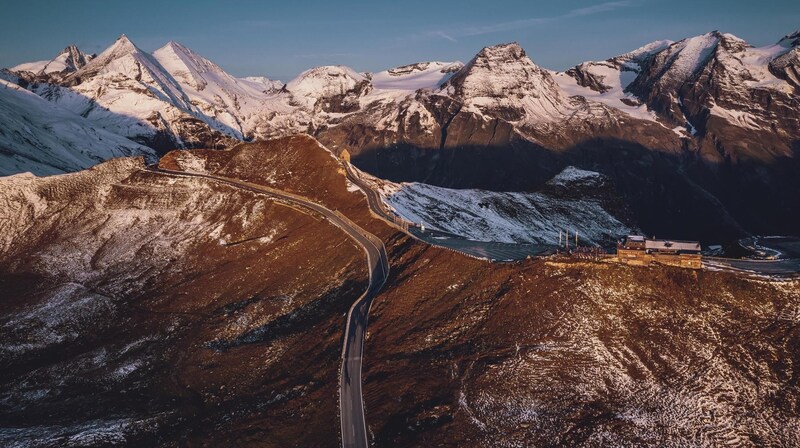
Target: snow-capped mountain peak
642	52
185	65
124	60
791	39
688	55
217	94
325	81
73	58
67	61
503	79
112	59
339	87
122	45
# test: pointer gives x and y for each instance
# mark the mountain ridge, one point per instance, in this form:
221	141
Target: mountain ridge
713	116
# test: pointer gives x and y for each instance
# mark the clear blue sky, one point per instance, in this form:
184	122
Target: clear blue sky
280	39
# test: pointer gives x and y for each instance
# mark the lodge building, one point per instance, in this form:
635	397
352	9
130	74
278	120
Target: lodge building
635	249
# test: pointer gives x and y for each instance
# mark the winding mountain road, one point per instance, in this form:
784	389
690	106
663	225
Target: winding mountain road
351	404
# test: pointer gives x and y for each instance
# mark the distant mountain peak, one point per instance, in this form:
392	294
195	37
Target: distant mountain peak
642	52
408	69
75	58
791	39
67	61
331	88
123	42
507	51
176	47
175	53
504	81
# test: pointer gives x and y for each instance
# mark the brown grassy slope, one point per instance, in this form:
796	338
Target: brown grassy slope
565	354
297	164
172	310
464	353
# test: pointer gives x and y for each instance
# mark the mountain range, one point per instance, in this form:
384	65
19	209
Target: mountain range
700	136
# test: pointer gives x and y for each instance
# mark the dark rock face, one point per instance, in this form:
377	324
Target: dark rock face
345	102
421	66
76	59
588	79
787	65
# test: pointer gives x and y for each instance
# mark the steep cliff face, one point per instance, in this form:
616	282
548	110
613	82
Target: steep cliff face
787	66
723	89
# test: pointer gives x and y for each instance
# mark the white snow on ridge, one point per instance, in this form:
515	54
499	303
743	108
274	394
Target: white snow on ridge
325	81
616	74
57	65
644	50
231	101
268	84
43	138
756	62
424	75
33	67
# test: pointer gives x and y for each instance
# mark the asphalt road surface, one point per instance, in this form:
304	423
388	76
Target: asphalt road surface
351	404
787	267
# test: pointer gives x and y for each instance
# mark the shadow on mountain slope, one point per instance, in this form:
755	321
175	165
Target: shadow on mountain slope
677	195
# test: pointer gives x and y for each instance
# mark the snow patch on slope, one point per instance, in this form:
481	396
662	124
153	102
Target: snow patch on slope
614	75
423	75
617	80
268	84
688	55
507	216
43	138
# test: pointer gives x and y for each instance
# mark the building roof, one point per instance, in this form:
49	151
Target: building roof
635	238
670	245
